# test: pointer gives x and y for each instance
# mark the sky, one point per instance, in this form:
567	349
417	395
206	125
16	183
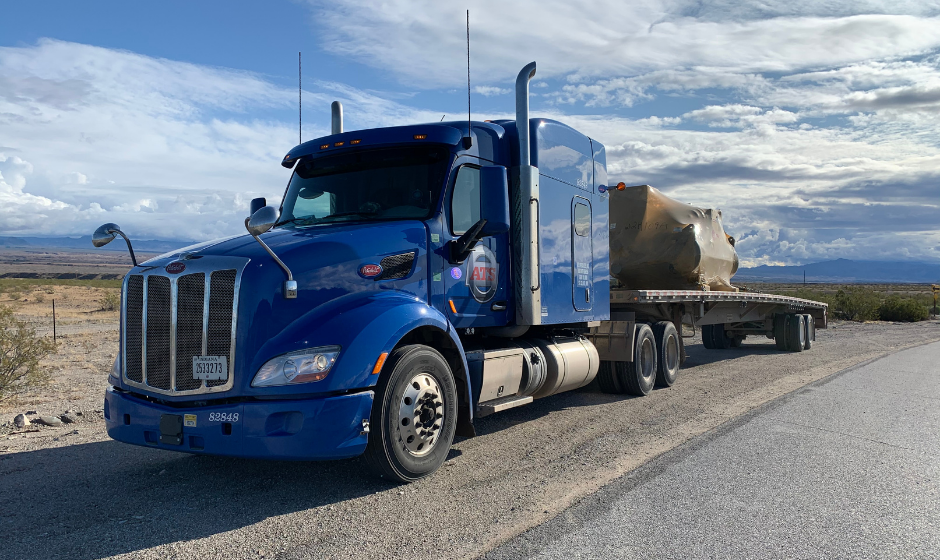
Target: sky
812	125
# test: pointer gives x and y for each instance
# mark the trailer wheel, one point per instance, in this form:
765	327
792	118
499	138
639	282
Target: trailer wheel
737	341
414	414
607	378
707	334
781	328
720	338
796	333
667	355
639	376
810	323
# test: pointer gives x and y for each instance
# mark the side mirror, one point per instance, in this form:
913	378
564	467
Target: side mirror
261	220
104	234
256	204
494	200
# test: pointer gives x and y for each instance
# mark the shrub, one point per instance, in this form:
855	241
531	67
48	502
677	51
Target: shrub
20	352
896	308
110	302
857	304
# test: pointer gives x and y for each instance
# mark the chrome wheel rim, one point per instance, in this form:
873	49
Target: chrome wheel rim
672	354
646	359
421	414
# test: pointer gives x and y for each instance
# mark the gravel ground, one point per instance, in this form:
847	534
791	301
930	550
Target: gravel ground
70	492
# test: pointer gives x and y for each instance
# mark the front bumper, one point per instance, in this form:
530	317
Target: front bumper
303	429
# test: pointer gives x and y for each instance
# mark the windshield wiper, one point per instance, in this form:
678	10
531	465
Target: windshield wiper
307	219
362	213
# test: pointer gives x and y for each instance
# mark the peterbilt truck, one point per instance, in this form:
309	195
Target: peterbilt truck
412	279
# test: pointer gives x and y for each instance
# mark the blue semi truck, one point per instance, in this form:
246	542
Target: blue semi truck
413	278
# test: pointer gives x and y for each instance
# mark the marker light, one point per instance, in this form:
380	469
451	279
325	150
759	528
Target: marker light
621	186
379	363
305	366
338	144
324	146
354	142
420	136
452	306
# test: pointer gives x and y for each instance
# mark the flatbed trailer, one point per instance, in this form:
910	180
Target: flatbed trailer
724	319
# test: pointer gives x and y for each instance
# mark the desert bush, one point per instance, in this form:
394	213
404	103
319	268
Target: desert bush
39	297
857	304
110	302
897	308
20	352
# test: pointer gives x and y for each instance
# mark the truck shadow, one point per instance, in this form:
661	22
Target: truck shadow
100	499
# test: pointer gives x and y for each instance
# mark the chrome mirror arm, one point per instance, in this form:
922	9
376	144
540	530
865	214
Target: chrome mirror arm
129	248
290	285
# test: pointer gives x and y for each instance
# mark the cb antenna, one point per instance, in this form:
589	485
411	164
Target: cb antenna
300	106
468	141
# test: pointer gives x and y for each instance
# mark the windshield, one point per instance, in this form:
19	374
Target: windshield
381	184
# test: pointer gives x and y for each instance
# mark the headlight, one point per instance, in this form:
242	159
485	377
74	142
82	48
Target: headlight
305	366
116	368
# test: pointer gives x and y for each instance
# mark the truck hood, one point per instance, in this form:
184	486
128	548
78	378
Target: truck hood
325	262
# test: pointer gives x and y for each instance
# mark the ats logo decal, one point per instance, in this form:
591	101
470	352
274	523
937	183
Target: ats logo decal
370	270
482	273
175	267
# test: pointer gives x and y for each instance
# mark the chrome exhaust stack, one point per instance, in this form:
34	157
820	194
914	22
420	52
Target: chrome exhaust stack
337	117
525	210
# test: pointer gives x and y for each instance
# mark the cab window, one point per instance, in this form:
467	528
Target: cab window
465	202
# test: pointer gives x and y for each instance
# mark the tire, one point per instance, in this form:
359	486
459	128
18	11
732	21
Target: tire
416	383
810	323
737	341
796	333
639	376
607	379
781	328
720	338
707	337
667	353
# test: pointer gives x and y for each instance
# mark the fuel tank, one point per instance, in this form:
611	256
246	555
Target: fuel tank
659	243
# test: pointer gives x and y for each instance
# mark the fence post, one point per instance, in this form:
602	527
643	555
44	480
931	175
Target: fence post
53	321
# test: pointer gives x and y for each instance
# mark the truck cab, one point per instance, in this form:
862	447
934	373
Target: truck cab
411	279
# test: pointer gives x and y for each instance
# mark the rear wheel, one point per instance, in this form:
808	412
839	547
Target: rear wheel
720	338
781	327
667	355
810	323
639	376
707	337
414	414
796	333
607	378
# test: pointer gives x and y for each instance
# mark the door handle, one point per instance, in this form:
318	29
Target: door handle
498	306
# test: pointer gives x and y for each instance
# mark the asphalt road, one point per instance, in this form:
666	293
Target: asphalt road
848	467
70	492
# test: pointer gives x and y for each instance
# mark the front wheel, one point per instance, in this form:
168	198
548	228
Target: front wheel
414	414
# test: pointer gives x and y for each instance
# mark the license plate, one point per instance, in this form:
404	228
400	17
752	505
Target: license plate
210	368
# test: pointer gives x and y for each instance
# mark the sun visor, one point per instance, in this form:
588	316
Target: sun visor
424	133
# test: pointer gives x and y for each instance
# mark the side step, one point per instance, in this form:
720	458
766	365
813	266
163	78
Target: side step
499	405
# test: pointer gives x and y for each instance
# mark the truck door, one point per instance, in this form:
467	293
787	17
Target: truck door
477	289
582	254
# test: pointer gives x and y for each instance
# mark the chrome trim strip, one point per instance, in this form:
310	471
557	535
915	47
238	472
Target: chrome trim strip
122	345
174	303
231	358
207	265
143	336
207	278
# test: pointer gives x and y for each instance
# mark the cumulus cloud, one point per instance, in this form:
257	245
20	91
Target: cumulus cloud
489	91
167	149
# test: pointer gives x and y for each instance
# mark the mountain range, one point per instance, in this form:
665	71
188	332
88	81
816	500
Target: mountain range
846	271
84	243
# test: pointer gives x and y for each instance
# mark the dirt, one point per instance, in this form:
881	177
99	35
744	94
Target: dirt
525	466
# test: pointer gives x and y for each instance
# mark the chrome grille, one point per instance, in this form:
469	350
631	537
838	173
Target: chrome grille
169	319
222	293
158	332
190	300
133	333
